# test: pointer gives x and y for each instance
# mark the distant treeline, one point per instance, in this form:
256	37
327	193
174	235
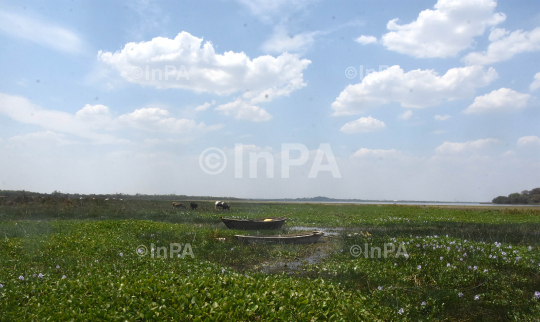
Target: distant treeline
526	197
57	194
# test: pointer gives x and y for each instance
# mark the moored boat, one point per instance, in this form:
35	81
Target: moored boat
301	238
254	224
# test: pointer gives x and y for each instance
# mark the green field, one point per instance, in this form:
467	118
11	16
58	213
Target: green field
77	260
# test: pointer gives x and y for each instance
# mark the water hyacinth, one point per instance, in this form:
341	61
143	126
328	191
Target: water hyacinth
121	255
401	311
57	266
476	297
21	278
537	295
1	286
40	275
212	262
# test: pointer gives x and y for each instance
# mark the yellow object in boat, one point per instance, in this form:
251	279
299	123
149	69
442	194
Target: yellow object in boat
268	219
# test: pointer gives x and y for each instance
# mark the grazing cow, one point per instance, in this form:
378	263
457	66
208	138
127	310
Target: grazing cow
222	205
178	205
193	206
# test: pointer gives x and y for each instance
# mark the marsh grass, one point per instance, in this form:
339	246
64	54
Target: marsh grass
226	280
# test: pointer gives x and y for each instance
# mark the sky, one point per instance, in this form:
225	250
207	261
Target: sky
393	100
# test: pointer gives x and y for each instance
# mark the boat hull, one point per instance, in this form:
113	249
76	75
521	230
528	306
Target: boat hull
306	238
254	224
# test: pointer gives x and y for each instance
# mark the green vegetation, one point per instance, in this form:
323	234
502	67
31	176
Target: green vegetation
524	198
79	260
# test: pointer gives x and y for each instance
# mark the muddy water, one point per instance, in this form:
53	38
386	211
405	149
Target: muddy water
323	250
328	231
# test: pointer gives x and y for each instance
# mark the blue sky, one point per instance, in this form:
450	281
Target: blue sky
449	110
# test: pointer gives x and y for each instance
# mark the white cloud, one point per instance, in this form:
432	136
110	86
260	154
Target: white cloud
414	89
528	140
504	45
364	40
96	117
204	106
22	110
445	31
185	63
363	125
377	153
406	115
282	41
41	32
221	74
155	119
536	83
38	140
501	100
469	146
509	153
243	110
442	117
92	120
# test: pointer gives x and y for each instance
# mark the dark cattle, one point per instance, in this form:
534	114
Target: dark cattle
178	205
222	205
193	206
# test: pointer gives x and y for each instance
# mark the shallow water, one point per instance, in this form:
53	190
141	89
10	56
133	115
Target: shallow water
328	231
322	252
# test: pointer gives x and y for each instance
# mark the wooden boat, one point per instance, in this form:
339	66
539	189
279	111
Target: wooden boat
301	238
254	224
